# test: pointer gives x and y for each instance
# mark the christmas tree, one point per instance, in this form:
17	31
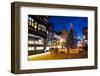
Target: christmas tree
71	40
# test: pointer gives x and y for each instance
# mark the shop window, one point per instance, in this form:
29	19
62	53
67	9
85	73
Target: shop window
39	27
39	48
32	22
43	28
35	26
35	43
30	42
40	41
31	48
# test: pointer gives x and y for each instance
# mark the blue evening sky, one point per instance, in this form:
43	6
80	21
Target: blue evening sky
63	22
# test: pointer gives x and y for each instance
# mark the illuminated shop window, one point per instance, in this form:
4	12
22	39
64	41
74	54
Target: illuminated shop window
32	22
47	48
31	48
39	48
39	27
40	41
59	46
36	42
35	39
30	42
35	26
43	28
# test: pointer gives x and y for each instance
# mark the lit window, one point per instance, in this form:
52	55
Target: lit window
35	26
39	27
33	22
59	47
47	48
39	48
40	41
35	42
30	42
43	28
30	48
